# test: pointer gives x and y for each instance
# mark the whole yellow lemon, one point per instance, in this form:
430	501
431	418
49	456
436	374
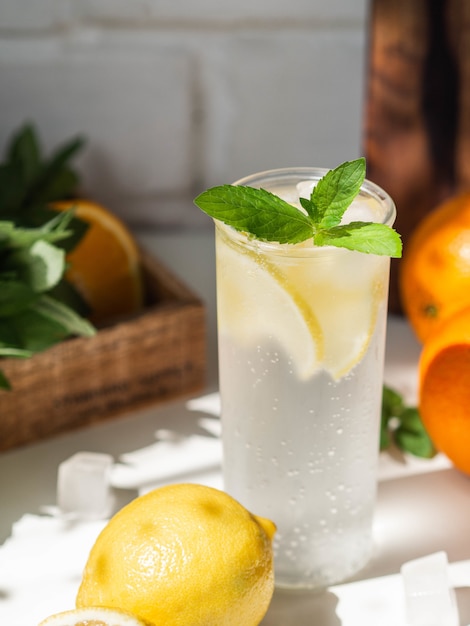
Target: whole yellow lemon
183	555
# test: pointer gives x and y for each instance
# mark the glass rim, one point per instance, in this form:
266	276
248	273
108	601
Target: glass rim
370	188
293	175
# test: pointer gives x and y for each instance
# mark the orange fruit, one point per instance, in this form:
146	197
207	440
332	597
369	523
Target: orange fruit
105	265
444	388
435	269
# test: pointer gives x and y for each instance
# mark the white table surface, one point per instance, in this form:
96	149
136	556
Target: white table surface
421	508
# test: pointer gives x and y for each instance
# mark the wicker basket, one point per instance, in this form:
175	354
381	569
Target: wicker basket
153	357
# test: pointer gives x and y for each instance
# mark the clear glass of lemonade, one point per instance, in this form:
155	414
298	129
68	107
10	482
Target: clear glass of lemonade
301	333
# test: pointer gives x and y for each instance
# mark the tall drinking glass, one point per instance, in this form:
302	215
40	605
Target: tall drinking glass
301	333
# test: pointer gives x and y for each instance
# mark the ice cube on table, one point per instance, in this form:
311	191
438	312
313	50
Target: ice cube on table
83	486
429	597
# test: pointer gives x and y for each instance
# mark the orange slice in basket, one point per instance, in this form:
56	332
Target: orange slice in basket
93	616
105	265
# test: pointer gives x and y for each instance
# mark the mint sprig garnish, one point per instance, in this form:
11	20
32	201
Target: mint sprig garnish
267	217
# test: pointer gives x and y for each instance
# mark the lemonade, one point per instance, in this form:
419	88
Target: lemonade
301	350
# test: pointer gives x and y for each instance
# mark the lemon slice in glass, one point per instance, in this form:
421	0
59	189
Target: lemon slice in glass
256	300
344	290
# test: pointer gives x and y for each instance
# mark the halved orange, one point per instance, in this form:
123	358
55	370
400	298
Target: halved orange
105	265
444	390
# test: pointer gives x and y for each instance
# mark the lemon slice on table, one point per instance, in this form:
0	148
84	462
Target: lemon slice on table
93	616
256	300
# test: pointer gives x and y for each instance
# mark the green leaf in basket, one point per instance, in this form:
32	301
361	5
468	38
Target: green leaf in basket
38	307
24	155
37	332
61	314
66	293
47	322
29	180
53	231
41	266
16	353
15	296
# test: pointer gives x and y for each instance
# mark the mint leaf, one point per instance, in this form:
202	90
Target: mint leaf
311	209
37	332
60	313
385	439
38	307
367	237
41	265
336	190
403	425
29	181
17	237
18	353
35	301
392	402
264	216
66	293
392	406
257	212
57	180
47	322
25	154
15	296
412	436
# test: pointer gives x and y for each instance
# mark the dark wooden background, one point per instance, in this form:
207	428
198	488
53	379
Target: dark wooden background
417	116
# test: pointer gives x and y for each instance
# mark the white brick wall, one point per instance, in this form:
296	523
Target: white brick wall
176	96
220	11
